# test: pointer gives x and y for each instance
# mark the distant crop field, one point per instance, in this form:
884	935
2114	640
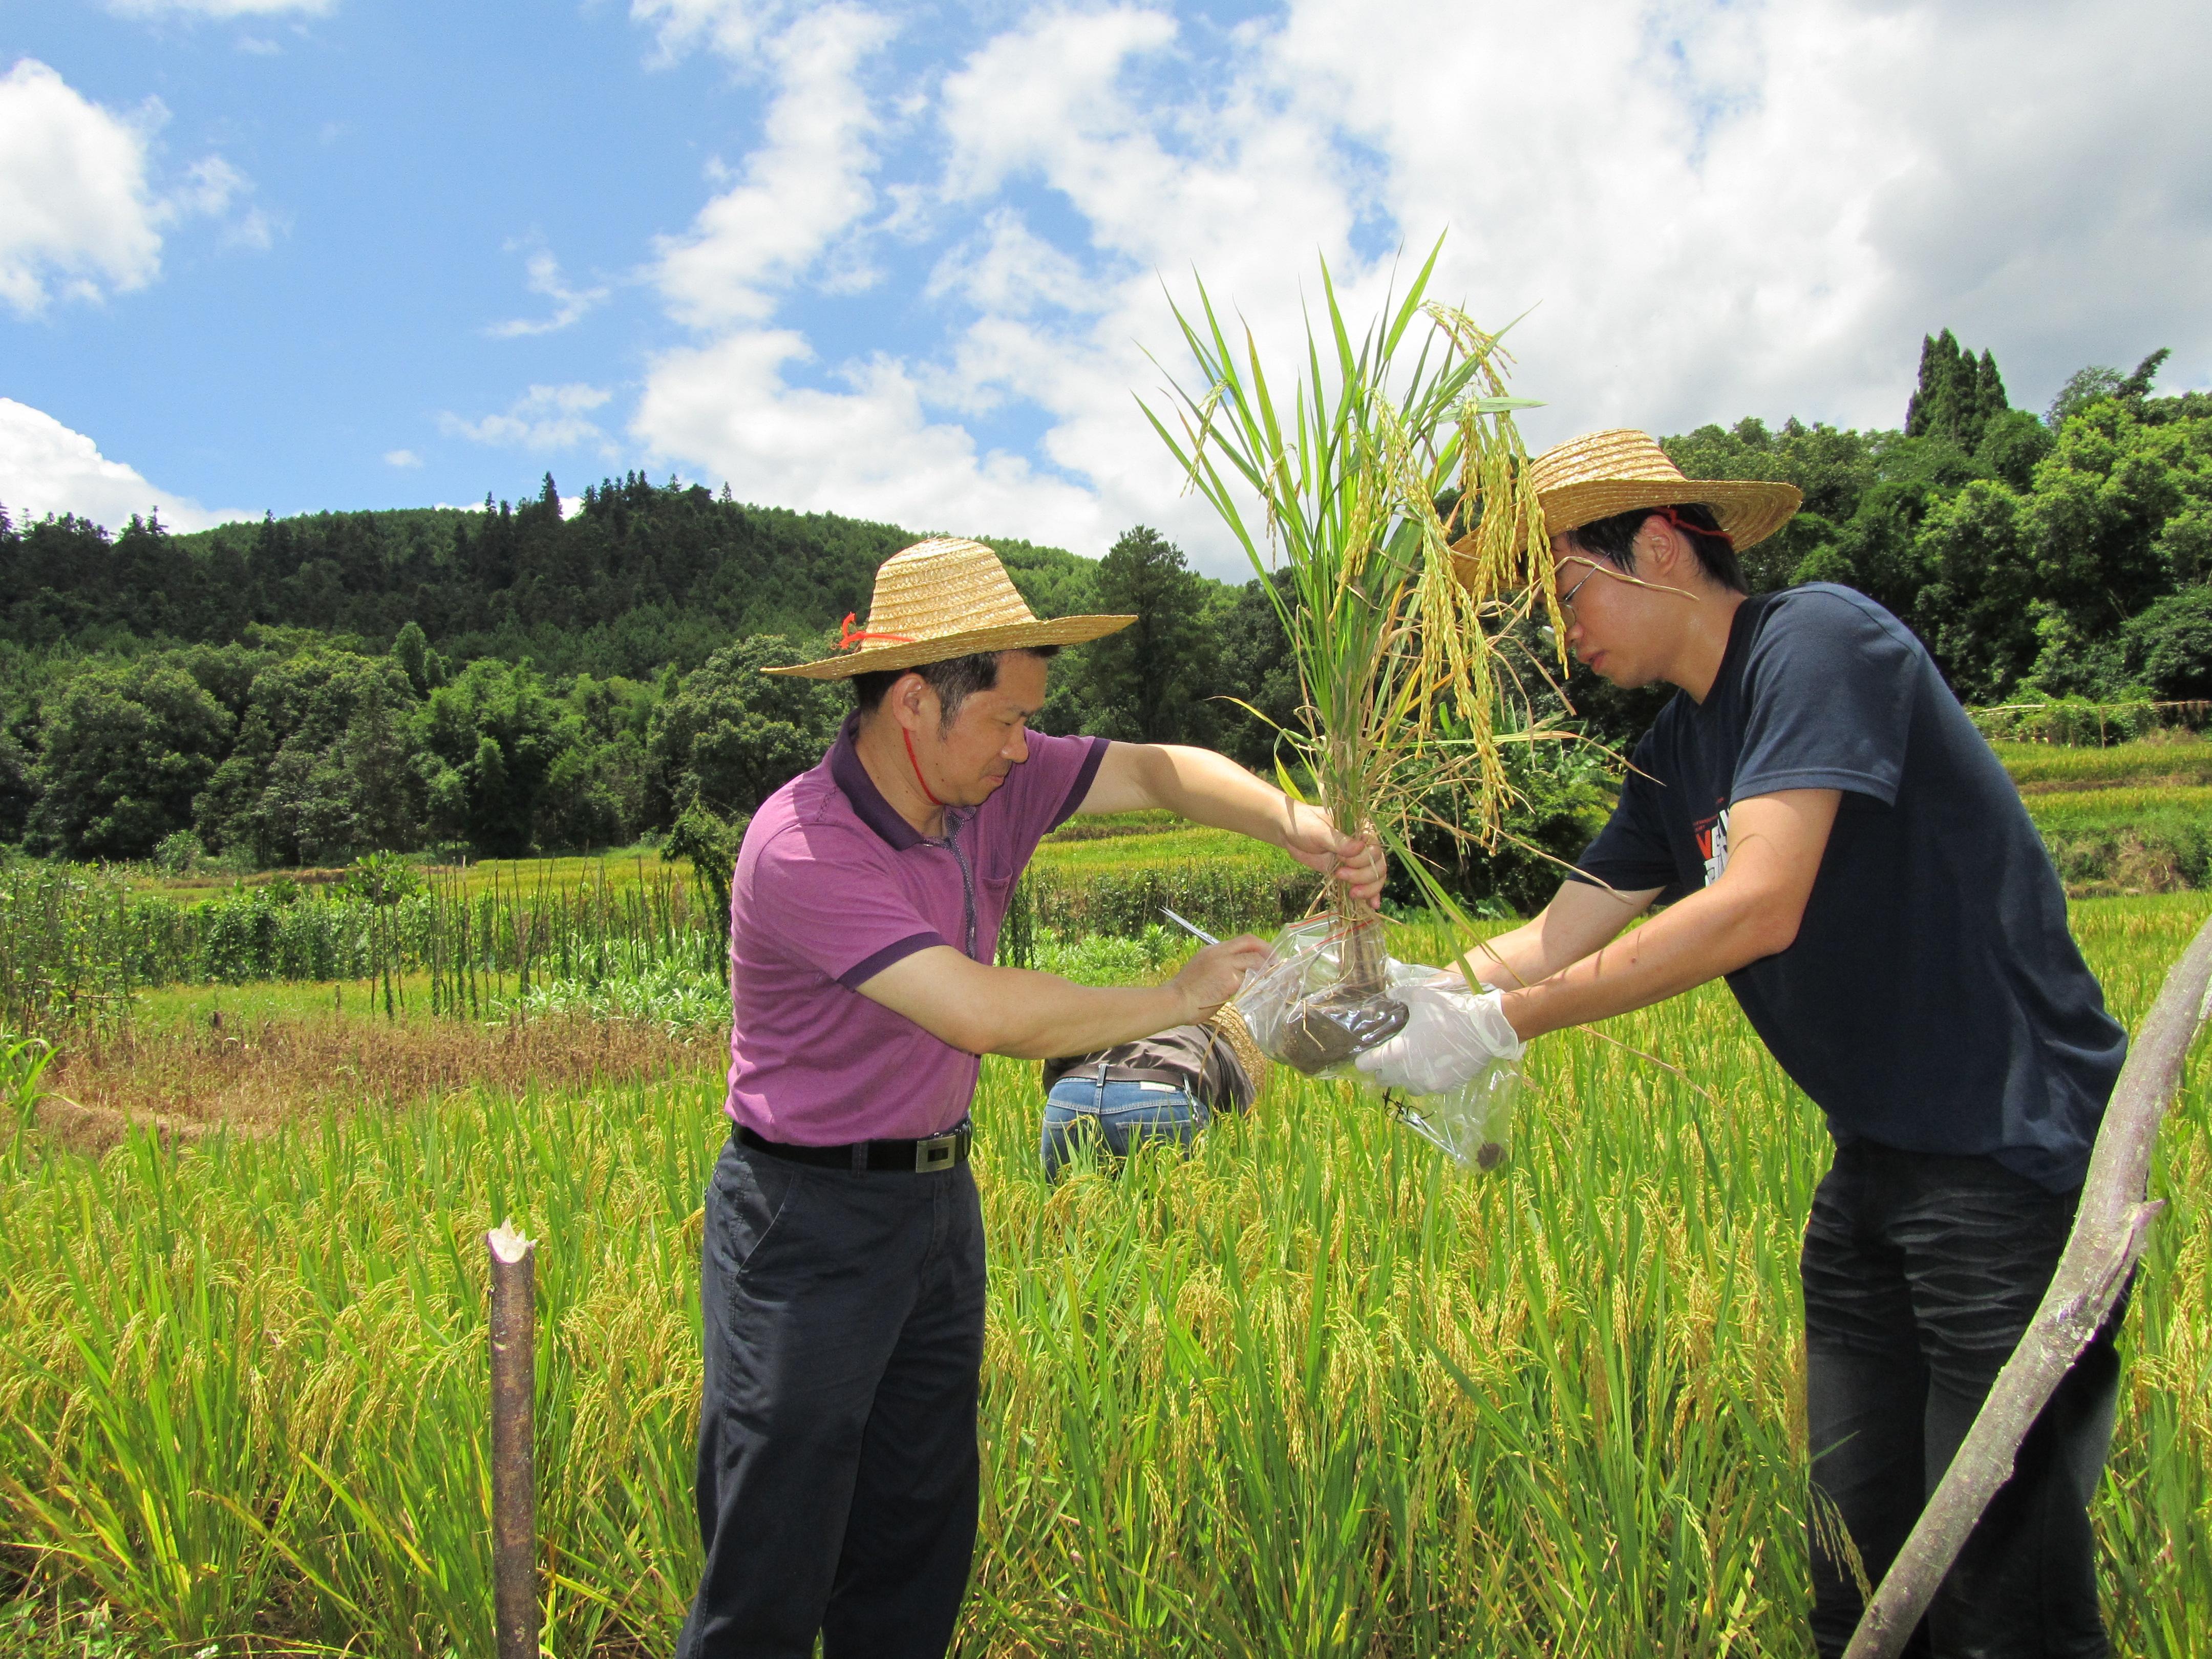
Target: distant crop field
2120	805
2181	759
1116	843
617	868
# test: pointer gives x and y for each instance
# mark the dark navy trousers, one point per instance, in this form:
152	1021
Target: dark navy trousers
843	1327
1921	1272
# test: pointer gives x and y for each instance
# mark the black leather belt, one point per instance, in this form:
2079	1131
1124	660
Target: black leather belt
942	1151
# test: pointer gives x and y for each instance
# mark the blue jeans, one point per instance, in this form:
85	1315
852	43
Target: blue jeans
1921	1272
1118	1116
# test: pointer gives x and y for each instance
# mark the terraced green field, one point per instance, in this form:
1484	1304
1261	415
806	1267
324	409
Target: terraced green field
2177	761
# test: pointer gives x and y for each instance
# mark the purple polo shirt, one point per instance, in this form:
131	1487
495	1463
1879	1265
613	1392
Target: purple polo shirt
832	887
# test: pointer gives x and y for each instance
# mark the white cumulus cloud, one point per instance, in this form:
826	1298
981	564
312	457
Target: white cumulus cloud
569	304
75	210
1761	209
1705	210
871	442
402	457
545	417
807	184
731	27
871	450
48	468
80	214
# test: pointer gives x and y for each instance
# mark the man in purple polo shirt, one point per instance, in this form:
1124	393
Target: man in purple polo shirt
841	1283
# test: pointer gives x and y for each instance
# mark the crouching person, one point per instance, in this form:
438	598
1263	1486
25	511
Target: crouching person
1166	1087
840	1286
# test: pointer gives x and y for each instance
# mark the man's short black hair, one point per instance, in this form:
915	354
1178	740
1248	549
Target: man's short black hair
955	680
1611	539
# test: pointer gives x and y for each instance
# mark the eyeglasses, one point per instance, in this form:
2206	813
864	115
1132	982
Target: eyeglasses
1567	599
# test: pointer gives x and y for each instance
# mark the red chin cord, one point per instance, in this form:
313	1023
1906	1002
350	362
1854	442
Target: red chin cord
914	762
1687	528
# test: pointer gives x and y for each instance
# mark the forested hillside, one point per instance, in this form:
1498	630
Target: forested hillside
642	577
304	690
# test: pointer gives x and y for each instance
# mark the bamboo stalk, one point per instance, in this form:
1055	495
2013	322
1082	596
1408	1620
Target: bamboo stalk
2110	1225
513	1485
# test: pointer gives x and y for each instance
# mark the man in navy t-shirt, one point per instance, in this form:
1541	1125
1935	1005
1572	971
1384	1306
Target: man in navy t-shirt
1825	828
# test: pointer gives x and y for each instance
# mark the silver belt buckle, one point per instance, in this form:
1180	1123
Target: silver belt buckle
935	1153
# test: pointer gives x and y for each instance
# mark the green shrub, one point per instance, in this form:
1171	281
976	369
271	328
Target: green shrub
2073	720
1566	791
179	853
1105	959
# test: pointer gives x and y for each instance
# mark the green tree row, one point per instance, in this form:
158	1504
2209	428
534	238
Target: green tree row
2070	554
295	746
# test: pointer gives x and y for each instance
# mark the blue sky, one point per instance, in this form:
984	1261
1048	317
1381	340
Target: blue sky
904	261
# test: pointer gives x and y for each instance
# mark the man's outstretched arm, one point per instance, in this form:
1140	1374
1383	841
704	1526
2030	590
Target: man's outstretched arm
1775	845
1212	789
1582	918
1752	911
1012	1011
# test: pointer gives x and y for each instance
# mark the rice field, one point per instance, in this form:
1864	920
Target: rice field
79	946
1306	1391
621	867
2120	806
2174	759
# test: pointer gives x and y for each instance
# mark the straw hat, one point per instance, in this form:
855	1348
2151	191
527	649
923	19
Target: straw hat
946	598
1601	473
1238	1036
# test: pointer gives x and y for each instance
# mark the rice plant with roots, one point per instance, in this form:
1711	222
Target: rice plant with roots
1397	501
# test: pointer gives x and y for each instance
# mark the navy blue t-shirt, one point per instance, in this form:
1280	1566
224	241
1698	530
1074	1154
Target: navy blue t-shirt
1934	1001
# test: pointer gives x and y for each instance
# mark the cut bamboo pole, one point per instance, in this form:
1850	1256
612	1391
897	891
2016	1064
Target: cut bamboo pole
513	1484
2110	1227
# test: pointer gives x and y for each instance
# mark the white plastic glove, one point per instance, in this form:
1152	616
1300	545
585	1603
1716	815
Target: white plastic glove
1452	1032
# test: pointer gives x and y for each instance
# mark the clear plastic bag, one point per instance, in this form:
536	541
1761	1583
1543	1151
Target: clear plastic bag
1301	1011
1473	1123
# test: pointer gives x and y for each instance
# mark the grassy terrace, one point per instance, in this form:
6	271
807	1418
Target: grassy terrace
2134	817
2180	760
619	867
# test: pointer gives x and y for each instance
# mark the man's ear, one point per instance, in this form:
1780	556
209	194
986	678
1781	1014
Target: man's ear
1668	559
913	704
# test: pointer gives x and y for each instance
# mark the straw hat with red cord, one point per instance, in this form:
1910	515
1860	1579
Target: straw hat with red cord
944	599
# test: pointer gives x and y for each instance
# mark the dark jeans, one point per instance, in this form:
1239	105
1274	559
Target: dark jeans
1920	1273
843	1318
1117	1115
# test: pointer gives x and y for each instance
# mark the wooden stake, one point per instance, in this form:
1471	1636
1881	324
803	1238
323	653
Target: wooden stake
2110	1227
513	1484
